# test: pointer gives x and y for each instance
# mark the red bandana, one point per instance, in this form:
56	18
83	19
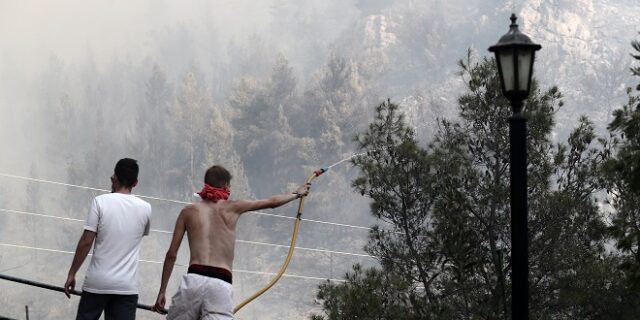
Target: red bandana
214	194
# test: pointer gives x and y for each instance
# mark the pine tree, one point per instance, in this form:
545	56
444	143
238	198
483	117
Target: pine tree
445	238
271	152
623	181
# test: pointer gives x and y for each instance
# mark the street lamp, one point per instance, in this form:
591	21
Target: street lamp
515	54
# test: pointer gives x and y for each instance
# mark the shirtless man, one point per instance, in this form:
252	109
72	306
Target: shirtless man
205	291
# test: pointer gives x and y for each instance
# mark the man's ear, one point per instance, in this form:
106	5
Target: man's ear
135	183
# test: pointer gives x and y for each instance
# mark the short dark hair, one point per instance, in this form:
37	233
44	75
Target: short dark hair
127	172
217	176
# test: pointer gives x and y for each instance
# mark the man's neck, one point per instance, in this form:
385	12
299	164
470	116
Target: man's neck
123	191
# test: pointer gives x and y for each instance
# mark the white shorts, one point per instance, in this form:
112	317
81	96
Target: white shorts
201	297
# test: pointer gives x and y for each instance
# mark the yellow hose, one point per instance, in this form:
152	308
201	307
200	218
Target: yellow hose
294	237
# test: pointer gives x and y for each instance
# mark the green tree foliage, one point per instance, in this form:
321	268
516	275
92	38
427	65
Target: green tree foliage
152	118
202	136
336	99
636	69
331	110
623	180
265	141
444	236
380	295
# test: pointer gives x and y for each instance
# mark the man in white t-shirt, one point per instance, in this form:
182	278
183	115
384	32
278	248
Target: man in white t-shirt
116	222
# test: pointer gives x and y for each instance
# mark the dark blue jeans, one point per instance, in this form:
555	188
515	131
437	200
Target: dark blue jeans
115	306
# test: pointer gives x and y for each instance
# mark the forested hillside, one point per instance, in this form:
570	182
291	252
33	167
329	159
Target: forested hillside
271	90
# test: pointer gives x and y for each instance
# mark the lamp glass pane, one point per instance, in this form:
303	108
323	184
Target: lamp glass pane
506	63
524	69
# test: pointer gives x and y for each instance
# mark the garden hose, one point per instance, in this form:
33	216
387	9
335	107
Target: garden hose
292	245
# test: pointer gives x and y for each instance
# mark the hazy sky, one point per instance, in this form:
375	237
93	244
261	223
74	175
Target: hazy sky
33	30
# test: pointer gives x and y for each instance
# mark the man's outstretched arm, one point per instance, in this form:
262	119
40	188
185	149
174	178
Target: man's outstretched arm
82	250
170	260
243	206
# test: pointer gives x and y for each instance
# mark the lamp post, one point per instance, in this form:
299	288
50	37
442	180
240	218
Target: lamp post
515	54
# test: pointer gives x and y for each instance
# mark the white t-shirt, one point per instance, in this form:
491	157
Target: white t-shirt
119	221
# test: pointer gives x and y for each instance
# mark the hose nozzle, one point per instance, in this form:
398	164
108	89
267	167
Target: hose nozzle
320	171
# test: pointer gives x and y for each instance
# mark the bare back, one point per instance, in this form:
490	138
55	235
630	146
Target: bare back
211	227
211	231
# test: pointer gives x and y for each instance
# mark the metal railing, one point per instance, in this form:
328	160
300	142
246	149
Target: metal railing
59	289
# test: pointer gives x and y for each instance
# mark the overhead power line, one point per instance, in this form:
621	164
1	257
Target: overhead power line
169	232
6	175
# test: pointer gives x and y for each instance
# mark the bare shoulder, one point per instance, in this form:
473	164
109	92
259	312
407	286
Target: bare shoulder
192	207
231	205
189	210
